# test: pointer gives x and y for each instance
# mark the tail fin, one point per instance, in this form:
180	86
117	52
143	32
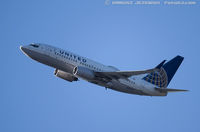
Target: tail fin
166	72
172	66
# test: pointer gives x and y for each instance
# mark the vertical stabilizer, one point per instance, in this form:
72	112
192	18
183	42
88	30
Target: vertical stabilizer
165	73
172	66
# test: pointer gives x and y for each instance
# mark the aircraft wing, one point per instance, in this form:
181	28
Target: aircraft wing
122	74
126	74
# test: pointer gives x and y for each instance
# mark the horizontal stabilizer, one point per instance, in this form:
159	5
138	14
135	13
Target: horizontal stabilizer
170	90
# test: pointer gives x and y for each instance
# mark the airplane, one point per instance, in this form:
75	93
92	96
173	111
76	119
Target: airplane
71	67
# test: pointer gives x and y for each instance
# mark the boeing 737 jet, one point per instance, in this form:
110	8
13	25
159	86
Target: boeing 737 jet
70	67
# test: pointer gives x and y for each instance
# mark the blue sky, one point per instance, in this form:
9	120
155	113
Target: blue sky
126	36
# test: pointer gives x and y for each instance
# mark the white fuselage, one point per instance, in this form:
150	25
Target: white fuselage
66	61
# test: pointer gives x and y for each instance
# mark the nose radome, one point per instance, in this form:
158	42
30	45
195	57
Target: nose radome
24	49
21	48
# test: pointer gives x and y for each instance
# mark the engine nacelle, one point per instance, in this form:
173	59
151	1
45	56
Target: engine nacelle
64	75
84	73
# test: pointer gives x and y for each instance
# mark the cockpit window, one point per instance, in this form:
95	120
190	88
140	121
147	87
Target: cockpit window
34	45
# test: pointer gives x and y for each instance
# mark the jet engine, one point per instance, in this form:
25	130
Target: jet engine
84	73
64	75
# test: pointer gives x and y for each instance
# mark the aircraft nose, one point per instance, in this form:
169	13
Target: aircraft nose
24	49
21	48
28	51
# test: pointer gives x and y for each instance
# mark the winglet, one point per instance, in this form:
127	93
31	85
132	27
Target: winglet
161	64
